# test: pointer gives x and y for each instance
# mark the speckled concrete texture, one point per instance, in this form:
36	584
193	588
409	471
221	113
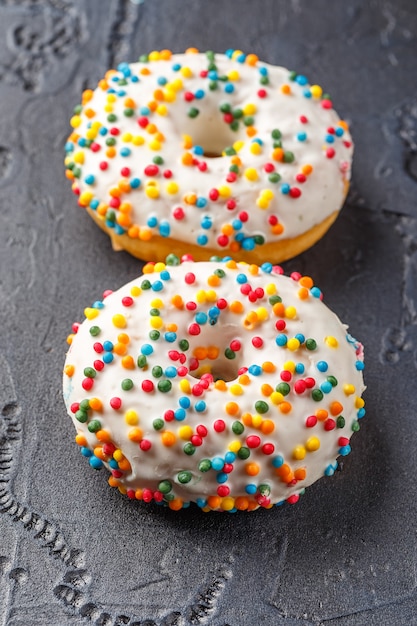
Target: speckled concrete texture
72	550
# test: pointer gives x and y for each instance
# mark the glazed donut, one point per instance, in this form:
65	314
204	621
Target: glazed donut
209	154
220	383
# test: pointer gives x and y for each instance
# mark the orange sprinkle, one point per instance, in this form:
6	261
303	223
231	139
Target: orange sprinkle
307	169
252	505
124	465
220	385
103	436
251	131
190	198
252	469
191	51
303	293
175	504
241	503
285	407
212	352
200	353
187	158
251	59
177	301
244	379
81	440
69	370
236	306
232	408
111	152
279	309
277	229
278	154
268	367
227	229
89	113
128	362
158	94
135	434
168	438
321	414
171	328
145	234
113	482
213	280
267	427
124	186
266	390
247	419
235	246
300	474
96	404
286	89
124	220
120	349
306	281
98	452
86	96
214	502
336	408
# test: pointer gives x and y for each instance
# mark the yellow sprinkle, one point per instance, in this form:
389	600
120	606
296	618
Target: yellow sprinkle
119	320
249	109
349	389
185	386
234	446
299	453
271	289
138	140
291	312
91	313
276	397
236	389
172	187
316	91
227	503
293	344
224	191
127	137
331	342
131	417
262	313
289	366
155	145
233	75
169	95
162	109
359	402
75	121
268	194
200	296
313	444
262	203
156	321
256	421
185	432
152	191
79	157
118	455
157	303
111	97
251	173
135	291
159	267
186	72
255	148
238	145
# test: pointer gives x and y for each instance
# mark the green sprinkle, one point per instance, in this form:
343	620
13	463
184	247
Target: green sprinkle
238	428
229	353
288	156
220	273
90	372
311	344
184	477
158	160
274	177
189	449
142	361
332	380
78	109
127	384
274	300
264	80
110	141
145	284
248	120
225	107
355	426
193	112
234	125
172	259
164	386
317	395
259	240
229	151
81	416
157	371
85	405
204	465
243	453
264	490
213	85
154	335
95	330
340	422
276	134
154	312
143	58
94	426
164	486
158	423
184	345
283	388
293	75
261	407
129	112
237	114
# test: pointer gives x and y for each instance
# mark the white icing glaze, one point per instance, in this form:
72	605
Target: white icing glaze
322	192
291	439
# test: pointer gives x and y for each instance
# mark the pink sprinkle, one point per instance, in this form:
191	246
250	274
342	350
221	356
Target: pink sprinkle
189	278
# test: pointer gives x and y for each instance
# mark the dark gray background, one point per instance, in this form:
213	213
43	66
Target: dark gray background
72	550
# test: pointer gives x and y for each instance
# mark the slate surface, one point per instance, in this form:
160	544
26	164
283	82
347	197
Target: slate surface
74	552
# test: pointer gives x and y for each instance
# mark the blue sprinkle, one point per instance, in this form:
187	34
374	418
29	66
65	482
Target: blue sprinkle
230	457
361	413
201	317
267	267
170	337
162	80
199	94
176	67
94	204
98	304
115	79
198	150
96	463
345	450
213	75
315	292
200	406
201	202
121	93
301	80
109	224
86	452
237	224
82	142
184	402
329	471
124	152
135	183
171	371
251	489
111	90
164	228
119	230
281	340
206	222
241	58
329	138
214	312
285	188
145	111
69	146
114	464
300	337
152	221
108	346
229	52
103	130
157	285
134	79
202	240
201	502
221	477
277	461
307	93
263	71
241	279
360	365
302	136
146	349
322	366
229	88
165	275
326	387
240	236
248	243
299	368
107	358
255	370
180	414
339	132
217	463
258	141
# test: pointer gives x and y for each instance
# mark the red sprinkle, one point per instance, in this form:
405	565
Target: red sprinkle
115	403
219	426
257	342
147	386
311	421
145	445
253	441
87	383
127	301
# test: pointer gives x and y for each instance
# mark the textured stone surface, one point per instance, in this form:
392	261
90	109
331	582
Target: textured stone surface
72	551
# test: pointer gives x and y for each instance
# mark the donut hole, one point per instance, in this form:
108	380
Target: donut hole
221	369
212	134
214	354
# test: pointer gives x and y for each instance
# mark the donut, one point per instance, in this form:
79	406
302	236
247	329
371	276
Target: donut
209	154
225	384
